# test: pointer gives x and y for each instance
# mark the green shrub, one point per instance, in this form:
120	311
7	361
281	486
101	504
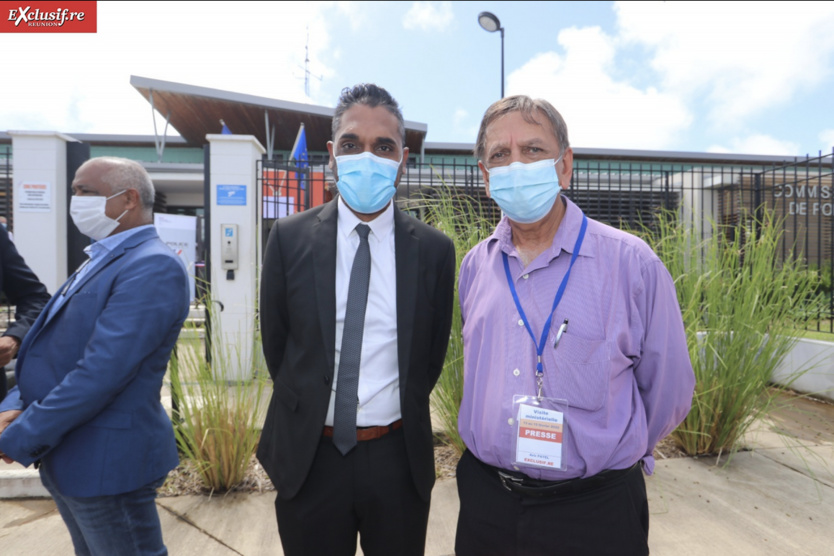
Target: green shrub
217	420
460	218
740	308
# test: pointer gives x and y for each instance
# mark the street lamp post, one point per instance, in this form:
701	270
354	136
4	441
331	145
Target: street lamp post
489	22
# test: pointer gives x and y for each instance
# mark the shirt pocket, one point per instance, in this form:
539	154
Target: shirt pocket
581	375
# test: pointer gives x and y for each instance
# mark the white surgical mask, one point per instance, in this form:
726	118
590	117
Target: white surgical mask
89	217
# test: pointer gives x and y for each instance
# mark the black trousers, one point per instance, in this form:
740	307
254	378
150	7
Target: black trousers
369	491
606	518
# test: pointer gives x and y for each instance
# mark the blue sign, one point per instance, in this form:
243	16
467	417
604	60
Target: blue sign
230	232
231	195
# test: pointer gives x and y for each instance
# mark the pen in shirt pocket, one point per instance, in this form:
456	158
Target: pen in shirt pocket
562	329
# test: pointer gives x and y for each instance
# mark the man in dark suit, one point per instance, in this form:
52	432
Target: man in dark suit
355	460
86	407
25	292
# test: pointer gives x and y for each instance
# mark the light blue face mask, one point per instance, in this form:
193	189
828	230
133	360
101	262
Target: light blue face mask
525	192
366	181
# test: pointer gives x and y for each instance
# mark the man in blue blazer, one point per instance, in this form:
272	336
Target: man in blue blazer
86	407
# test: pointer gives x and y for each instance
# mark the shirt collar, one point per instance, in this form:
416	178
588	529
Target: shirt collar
568	232
104	246
564	240
381	226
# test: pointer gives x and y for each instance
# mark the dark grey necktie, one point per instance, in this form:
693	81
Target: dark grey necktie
347	388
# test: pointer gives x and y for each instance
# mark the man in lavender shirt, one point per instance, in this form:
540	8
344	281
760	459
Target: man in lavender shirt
576	361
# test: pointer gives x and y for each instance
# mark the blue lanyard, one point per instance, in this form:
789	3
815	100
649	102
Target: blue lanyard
559	293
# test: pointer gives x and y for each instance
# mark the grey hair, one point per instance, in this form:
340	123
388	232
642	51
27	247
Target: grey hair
123	174
372	96
528	108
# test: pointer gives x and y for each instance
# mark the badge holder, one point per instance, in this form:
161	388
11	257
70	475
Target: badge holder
540	430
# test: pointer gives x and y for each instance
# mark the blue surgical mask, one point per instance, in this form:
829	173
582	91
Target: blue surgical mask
366	181
525	192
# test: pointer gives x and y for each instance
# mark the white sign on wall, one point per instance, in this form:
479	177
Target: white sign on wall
35	197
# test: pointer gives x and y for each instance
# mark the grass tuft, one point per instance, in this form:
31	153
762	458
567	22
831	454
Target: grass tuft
217	419
459	217
741	308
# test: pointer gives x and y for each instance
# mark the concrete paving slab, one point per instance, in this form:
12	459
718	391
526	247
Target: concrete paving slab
241	523
30	527
752	506
245	523
816	462
443	518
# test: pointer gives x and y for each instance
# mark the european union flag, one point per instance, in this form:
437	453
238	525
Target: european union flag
299	156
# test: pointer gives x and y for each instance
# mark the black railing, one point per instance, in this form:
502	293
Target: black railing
7	213
6	184
632	195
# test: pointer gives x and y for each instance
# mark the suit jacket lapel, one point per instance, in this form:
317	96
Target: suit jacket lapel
407	253
324	272
114	254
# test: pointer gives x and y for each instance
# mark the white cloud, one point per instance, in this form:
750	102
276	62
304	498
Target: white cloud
729	61
463	123
429	16
758	144
81	82
352	11
599	110
740	58
826	136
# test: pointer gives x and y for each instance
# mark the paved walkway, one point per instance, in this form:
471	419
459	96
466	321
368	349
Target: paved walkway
776	499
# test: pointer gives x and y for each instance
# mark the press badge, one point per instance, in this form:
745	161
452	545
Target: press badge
540	430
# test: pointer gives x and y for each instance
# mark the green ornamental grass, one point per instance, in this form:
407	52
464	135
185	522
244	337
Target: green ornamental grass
459	217
741	303
217	419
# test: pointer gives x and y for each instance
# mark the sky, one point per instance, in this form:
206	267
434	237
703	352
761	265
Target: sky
723	77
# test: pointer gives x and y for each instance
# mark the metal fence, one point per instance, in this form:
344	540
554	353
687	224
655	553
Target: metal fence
632	195
7	213
6	183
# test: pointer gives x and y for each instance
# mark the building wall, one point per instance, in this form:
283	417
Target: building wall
173	155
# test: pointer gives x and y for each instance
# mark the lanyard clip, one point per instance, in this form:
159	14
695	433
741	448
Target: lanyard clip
539	384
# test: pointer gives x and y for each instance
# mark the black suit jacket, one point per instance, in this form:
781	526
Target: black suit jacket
21	286
298	326
23	290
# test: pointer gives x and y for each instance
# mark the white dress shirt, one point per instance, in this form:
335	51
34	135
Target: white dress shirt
379	375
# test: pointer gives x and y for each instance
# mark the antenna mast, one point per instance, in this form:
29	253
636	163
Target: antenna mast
307	73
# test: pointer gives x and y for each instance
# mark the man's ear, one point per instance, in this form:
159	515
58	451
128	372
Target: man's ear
132	199
567	169
403	164
332	161
485	175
